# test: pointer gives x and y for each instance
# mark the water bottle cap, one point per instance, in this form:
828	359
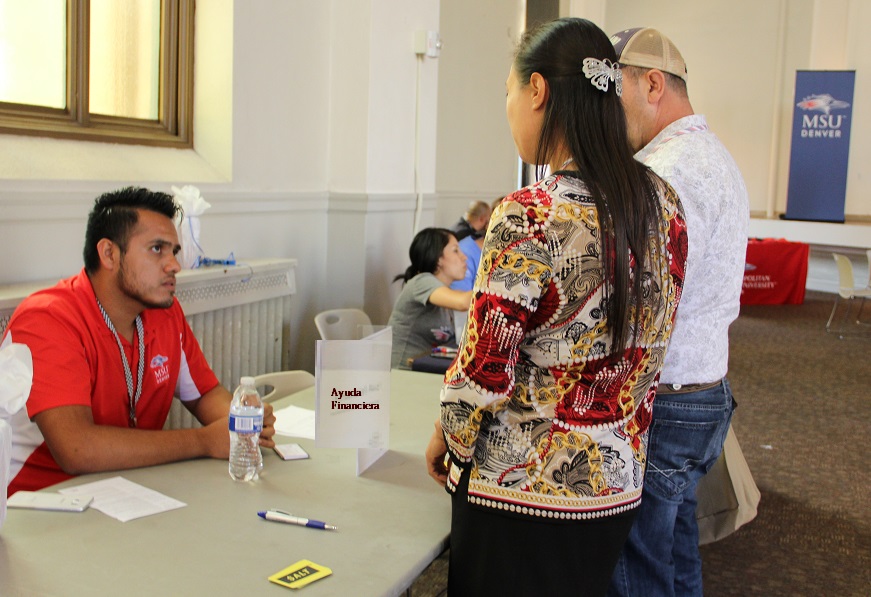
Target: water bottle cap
247	381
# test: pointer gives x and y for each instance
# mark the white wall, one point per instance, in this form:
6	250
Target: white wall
385	96
476	158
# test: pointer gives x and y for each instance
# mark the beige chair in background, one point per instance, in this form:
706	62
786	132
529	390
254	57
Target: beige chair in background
343	324
848	292
282	383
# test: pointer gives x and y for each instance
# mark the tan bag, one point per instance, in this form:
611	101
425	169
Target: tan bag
727	496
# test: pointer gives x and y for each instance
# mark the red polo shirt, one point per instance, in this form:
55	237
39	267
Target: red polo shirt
76	361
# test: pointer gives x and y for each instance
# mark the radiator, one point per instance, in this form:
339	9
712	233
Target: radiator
241	317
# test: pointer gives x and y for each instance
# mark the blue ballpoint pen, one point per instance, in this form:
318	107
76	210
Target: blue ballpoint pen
281	516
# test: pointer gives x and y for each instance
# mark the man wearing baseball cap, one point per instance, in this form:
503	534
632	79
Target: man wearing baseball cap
693	406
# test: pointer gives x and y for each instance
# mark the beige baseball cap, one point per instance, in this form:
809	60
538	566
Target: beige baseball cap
648	48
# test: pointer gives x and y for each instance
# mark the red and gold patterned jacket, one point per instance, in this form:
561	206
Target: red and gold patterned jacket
550	422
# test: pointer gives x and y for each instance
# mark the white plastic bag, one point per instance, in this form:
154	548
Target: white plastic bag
16	377
190	200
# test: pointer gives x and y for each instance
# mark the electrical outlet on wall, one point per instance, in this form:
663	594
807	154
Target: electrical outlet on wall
428	43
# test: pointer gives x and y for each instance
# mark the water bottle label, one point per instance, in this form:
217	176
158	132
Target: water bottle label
246	424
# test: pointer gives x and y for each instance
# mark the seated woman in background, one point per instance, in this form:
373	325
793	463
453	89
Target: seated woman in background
423	316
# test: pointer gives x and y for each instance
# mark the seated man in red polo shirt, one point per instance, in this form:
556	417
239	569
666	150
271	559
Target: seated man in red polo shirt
110	347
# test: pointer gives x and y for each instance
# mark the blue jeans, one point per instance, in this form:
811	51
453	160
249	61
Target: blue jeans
685	439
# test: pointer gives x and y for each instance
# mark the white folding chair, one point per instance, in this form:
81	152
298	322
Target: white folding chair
282	383
342	324
849	293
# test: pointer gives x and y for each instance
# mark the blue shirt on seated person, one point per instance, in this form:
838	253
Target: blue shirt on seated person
471	248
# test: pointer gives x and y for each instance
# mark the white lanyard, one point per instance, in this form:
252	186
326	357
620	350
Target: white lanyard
133	399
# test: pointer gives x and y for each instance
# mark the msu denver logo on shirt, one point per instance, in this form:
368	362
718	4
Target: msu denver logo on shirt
161	371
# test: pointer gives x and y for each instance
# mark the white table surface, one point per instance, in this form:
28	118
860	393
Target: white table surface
393	521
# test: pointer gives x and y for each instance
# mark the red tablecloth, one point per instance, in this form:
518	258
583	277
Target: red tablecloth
775	272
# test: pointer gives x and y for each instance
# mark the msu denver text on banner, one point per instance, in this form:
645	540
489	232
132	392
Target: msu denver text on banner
825	124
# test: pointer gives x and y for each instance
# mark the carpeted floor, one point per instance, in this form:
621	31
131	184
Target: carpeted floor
804	413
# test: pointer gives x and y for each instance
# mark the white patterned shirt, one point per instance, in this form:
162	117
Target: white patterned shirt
693	160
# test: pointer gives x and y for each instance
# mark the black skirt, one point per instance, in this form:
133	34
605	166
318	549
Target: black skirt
493	553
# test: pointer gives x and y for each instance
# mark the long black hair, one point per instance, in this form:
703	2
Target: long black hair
592	126
425	251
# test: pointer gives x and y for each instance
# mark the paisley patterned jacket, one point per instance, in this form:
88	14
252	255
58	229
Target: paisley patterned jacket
550	422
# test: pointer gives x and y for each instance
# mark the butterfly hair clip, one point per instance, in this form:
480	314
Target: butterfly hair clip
601	71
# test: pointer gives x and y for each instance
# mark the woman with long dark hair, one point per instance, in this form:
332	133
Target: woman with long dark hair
544	412
423	316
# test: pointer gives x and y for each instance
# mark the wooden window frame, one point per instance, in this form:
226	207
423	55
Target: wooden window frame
174	125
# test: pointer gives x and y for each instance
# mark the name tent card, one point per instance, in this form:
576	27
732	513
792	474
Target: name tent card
352	386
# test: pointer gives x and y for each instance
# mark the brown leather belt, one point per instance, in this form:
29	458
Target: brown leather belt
676	388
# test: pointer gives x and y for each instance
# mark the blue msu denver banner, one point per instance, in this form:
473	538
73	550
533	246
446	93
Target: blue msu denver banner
820	145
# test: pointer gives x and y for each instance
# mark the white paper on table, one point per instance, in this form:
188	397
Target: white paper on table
124	500
294	421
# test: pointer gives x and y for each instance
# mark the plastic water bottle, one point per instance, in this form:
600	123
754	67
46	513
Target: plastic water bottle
246	423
